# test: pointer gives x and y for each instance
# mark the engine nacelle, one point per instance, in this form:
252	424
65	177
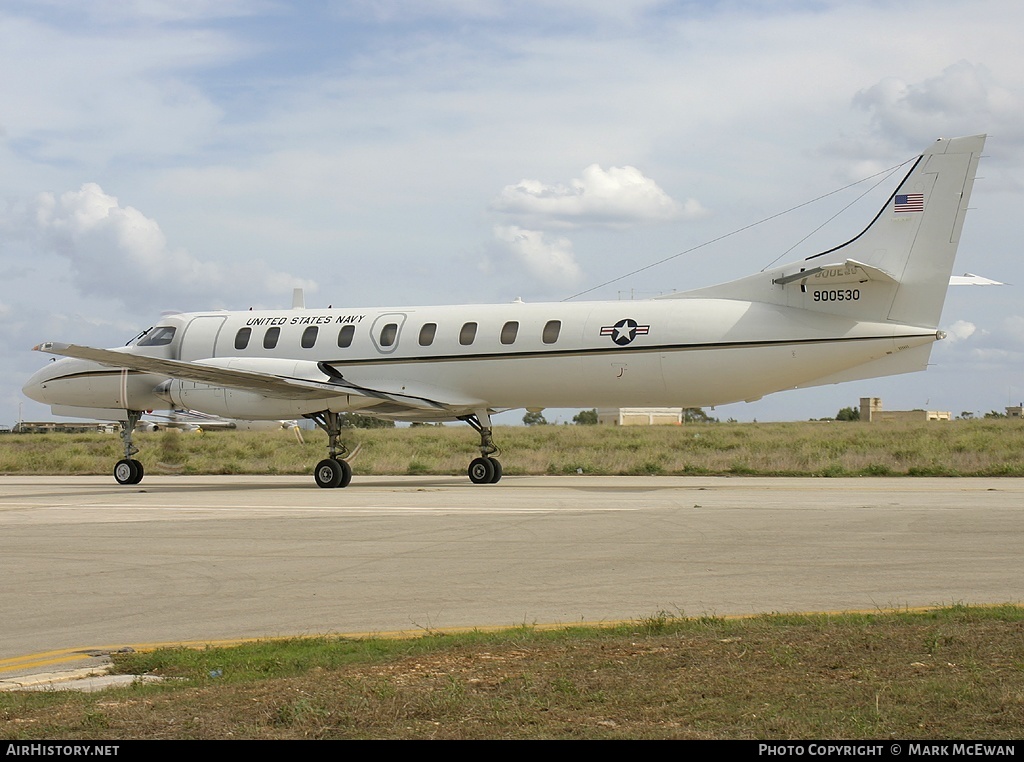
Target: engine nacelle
85	384
252	406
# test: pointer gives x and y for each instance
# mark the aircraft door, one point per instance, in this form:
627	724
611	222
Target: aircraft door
386	330
200	339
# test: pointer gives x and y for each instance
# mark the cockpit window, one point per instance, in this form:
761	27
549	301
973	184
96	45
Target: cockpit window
160	336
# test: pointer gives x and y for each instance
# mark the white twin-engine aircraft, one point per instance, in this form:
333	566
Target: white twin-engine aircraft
867	308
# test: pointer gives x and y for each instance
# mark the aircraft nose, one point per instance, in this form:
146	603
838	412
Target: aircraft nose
36	386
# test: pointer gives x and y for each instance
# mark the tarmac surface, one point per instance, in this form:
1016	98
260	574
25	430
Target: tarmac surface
89	566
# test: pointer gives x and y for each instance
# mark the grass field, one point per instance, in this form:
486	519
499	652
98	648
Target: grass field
955	448
954	673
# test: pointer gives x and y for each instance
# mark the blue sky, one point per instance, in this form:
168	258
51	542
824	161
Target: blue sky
159	156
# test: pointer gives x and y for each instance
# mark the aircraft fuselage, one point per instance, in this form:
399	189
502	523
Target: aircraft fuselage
672	352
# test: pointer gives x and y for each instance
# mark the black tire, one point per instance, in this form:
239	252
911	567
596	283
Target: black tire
497	471
329	473
346	473
481	470
140	471
127	471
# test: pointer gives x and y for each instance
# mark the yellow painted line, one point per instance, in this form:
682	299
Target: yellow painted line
40	660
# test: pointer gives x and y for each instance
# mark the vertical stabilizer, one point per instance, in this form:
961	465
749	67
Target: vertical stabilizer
898	268
915	238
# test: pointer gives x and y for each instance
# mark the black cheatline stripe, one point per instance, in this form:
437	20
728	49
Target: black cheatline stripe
101	373
348	363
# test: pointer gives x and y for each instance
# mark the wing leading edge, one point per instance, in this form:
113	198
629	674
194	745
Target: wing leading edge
279	384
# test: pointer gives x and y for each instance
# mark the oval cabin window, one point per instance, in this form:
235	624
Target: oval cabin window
427	333
509	331
345	336
551	331
242	338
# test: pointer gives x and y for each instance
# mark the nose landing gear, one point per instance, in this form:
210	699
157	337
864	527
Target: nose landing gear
128	470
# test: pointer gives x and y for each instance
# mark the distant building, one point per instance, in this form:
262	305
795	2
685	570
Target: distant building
640	416
871	412
1015	411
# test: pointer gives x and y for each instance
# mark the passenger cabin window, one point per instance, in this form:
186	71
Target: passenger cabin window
551	330
345	336
242	338
509	331
468	334
309	337
270	337
388	334
427	333
157	337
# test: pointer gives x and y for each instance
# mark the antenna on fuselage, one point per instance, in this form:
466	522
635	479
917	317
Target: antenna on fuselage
298	299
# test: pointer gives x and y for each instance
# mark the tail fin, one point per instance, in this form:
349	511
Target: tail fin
898	268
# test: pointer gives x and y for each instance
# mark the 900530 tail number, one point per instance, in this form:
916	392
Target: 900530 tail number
839	295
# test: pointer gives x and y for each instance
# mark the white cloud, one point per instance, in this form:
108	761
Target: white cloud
117	252
620	196
964	99
960	330
551	261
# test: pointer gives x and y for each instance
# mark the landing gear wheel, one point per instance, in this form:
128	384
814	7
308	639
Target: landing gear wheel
331	473
482	470
128	471
497	471
346	473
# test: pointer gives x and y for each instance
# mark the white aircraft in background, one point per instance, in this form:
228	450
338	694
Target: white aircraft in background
867	308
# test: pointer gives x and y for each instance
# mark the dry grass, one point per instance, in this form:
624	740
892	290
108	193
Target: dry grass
957	448
954	673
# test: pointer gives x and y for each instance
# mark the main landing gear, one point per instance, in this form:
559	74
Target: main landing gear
485	469
332	471
128	470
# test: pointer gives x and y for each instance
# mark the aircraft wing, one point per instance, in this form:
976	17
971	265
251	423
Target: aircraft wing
275	385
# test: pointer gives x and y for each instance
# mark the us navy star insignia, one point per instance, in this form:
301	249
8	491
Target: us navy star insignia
625	331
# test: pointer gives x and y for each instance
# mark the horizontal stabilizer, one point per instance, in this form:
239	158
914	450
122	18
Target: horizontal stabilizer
970	279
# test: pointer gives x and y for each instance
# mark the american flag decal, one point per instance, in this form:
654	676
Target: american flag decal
909	202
